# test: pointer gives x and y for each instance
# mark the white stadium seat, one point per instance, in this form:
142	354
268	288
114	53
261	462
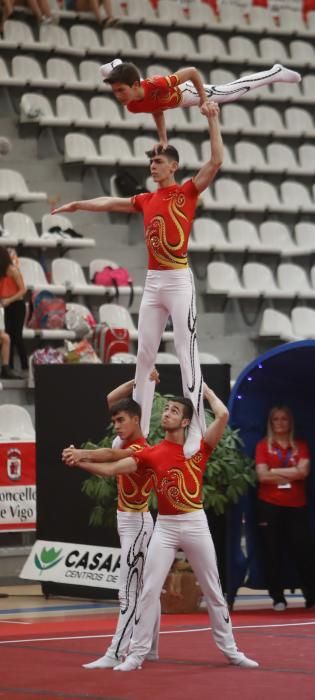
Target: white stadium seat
292	279
242	48
13	186
277	324
222	278
16	424
258	279
206	358
211	46
35	278
123	358
273	51
22	227
276	235
303	322
70	274
166	358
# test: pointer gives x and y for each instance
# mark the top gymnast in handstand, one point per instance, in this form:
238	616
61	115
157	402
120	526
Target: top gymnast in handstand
184	88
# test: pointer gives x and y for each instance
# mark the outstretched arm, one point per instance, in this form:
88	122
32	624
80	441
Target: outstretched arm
72	455
207	173
123	204
215	430
123	466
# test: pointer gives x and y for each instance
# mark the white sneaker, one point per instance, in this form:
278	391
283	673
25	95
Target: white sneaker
243	662
152	656
131	663
103	662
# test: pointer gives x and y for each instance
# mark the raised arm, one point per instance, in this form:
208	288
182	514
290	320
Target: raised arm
99	204
207	173
124	390
120	392
215	430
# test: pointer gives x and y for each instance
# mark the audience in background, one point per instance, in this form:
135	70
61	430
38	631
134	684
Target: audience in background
12	293
96	6
282	465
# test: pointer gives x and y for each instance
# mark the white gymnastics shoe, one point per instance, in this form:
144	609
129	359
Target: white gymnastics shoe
107	68
103	662
243	662
131	663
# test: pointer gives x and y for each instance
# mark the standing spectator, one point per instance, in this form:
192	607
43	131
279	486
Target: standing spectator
12	293
282	465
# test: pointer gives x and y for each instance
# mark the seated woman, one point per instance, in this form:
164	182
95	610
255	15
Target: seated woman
282	465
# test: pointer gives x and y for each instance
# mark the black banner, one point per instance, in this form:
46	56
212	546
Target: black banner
70	406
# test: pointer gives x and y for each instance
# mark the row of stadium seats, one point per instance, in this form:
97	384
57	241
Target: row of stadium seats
19	229
102	112
277	325
67	276
290	281
270	237
207	47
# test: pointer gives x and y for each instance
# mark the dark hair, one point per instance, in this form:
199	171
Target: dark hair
5	261
188	408
129	406
125	73
170	152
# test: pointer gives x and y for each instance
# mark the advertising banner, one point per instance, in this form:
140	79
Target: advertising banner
78	564
17	486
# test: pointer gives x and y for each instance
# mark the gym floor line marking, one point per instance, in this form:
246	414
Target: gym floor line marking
187	631
14	622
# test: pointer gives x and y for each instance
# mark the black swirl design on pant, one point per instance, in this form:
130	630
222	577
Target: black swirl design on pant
135	559
192	328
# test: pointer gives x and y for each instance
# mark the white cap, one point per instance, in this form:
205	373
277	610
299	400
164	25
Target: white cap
107	68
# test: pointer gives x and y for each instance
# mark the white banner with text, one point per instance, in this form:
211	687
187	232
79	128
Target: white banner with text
65	562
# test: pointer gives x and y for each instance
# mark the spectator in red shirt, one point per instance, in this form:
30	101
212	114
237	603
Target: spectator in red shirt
169	289
282	465
181	523
182	89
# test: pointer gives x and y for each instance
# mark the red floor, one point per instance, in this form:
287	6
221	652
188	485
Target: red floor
42	660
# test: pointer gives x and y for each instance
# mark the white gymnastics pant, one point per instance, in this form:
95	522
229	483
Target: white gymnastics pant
237	88
190	532
135	532
170	293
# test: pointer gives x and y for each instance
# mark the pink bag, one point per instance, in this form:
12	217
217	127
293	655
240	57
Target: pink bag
115	277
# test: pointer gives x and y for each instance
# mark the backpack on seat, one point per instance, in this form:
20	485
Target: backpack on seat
115	277
47	311
107	341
